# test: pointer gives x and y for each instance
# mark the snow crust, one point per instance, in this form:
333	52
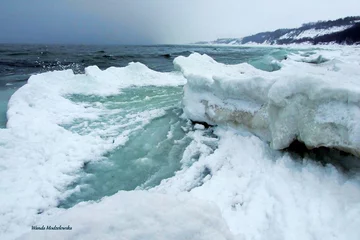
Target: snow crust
138	215
39	157
314	99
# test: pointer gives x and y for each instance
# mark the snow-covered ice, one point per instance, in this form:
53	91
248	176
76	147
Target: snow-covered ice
265	194
242	190
137	215
309	100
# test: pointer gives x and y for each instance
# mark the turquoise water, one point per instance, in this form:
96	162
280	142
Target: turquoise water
152	152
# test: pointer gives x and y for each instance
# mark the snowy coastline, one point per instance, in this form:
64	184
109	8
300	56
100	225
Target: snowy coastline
239	188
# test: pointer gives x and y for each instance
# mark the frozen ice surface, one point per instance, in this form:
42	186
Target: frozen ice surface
314	99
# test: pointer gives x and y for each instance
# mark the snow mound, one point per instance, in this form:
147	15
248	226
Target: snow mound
317	104
39	157
137	215
265	194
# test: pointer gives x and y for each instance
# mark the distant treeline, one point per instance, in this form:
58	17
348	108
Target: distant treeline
350	34
347	36
330	23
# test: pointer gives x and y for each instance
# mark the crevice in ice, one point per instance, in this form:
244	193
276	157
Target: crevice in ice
298	148
205	124
204	175
206	171
343	161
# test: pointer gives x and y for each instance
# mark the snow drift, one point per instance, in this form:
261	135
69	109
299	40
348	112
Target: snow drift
310	100
266	194
137	215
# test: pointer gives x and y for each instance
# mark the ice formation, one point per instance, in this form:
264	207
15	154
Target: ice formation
266	194
313	99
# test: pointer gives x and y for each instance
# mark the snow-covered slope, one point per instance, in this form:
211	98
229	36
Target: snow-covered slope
313	32
346	30
317	104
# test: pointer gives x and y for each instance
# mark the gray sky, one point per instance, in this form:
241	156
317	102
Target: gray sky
156	21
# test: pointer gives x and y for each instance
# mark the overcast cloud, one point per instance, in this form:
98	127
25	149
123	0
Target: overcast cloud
156	21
